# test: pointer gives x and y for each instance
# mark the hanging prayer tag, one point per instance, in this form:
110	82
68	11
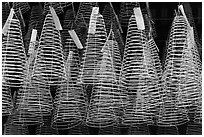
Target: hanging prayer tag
55	18
75	39
33	35
139	18
95	10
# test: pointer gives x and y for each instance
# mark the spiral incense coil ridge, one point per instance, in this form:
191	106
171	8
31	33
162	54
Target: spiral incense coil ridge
101	110
139	78
5	12
126	11
7	103
49	64
67	112
93	53
23	6
13	55
56	5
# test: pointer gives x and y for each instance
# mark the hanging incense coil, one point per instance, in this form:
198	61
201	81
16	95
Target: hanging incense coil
101	110
13	55
93	52
67	102
181	76
49	64
139	78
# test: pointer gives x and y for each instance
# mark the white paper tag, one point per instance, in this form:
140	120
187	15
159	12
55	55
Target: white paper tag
55	18
70	55
180	7
139	18
21	16
33	35
75	39
6	25
95	10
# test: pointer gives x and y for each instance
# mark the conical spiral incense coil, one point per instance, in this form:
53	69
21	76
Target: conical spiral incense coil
23	6
85	9
35	22
126	11
7	103
104	97
181	77
110	17
67	102
49	64
5	12
11	129
138	78
56	5
93	53
28	105
13	55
